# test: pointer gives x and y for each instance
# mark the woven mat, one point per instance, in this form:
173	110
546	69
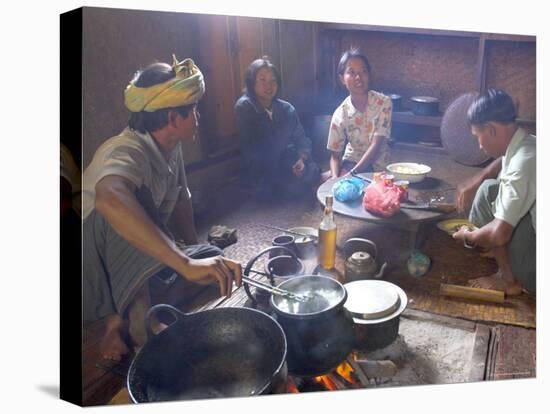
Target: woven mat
451	263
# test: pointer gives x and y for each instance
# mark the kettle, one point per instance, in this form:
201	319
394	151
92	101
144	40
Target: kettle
361	260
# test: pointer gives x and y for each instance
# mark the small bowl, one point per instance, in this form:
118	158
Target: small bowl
409	171
305	246
283	268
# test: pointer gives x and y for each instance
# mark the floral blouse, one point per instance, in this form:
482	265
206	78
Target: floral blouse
358	129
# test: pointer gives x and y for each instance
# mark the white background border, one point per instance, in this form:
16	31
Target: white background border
29	99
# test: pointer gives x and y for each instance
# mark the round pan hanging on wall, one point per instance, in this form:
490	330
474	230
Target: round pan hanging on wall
456	137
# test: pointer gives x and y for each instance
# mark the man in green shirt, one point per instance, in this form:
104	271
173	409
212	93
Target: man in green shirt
502	196
137	206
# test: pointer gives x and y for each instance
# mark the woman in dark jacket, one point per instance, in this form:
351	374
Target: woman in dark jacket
275	153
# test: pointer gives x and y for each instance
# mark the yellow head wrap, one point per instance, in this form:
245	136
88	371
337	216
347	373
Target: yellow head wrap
186	88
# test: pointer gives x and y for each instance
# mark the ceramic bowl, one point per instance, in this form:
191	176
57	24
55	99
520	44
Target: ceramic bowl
305	246
409	171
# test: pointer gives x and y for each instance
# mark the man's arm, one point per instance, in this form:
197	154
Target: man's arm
115	200
182	223
494	234
466	191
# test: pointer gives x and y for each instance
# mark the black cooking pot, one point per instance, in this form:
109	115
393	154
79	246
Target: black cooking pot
375	306
396	102
425	105
320	331
224	352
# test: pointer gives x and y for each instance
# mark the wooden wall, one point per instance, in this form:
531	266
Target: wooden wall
512	66
418	65
118	42
115	44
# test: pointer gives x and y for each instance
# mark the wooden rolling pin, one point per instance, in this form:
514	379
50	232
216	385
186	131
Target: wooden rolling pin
487	295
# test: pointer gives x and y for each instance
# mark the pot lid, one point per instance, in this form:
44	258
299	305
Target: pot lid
424	99
374	301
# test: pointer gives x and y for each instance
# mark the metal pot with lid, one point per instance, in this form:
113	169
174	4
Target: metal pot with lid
375	306
320	331
425	105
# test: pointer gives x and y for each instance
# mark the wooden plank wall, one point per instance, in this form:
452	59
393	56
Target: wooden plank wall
115	44
299	69
217	55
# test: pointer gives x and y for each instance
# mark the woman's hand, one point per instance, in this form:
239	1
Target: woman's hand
214	269
298	168
327	175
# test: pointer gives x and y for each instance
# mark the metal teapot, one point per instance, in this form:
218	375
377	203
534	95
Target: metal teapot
361	260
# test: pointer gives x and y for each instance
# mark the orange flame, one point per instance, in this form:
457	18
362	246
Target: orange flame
345	371
292	388
327	382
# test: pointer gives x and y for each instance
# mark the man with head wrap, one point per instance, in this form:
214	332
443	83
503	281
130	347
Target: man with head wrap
136	204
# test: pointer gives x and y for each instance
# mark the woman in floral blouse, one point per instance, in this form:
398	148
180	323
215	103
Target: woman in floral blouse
363	121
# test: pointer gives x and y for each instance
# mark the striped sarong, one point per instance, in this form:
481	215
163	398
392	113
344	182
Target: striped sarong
114	270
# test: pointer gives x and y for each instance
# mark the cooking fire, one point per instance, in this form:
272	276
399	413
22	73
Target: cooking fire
353	373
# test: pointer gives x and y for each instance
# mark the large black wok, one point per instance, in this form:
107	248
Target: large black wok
224	352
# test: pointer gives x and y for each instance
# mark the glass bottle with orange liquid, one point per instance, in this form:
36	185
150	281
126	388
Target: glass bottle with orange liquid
327	236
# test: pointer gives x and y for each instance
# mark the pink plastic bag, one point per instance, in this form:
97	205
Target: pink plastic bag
383	198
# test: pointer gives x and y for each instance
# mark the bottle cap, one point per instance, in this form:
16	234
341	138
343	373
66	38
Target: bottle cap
329	200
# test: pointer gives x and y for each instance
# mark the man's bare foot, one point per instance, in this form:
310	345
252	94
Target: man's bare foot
496	282
113	345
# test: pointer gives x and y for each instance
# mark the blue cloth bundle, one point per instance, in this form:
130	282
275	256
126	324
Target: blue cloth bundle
348	189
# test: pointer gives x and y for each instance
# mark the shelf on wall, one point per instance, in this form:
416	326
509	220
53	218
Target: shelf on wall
510	37
407	117
429	32
411	146
393	29
526	122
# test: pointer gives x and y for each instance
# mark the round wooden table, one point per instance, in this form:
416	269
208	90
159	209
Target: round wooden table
410	219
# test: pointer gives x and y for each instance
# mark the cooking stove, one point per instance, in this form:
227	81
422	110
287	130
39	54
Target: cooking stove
355	372
351	374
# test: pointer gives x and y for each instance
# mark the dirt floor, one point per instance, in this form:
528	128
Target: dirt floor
450	263
459	352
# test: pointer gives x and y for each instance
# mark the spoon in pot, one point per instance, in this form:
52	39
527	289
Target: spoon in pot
277	291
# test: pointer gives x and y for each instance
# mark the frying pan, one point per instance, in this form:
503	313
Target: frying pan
223	352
